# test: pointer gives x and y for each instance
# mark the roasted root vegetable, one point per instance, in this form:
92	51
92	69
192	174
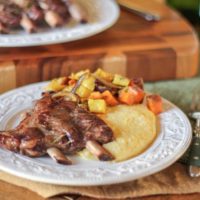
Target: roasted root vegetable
102	85
126	97
138	94
100	89
95	95
83	92
77	75
138	82
131	95
121	80
68	88
104	75
89	82
86	87
57	84
106	95
97	105
72	82
109	98
154	103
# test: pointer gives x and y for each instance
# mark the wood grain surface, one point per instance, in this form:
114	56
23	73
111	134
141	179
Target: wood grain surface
167	49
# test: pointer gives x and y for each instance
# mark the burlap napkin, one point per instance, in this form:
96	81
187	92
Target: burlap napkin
173	180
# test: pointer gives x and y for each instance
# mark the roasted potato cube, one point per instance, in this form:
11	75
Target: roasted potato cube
154	103
89	83
120	80
97	105
83	92
57	84
77	75
68	88
104	75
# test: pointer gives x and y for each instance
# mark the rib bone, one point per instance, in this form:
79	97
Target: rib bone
98	151
76	11
52	18
21	3
27	24
58	156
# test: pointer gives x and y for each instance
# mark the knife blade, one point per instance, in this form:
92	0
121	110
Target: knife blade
140	9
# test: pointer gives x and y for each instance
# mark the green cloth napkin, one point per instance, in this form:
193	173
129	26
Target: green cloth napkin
178	92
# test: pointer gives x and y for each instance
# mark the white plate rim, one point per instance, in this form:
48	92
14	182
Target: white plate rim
106	181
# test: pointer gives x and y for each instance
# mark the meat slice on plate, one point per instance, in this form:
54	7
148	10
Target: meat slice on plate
10	16
55	12
13	16
56	127
28	14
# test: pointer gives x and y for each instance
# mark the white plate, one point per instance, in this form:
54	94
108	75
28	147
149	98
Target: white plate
102	15
172	141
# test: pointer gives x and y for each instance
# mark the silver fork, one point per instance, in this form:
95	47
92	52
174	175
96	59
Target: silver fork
194	156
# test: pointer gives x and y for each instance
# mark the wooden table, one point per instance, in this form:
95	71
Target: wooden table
12	192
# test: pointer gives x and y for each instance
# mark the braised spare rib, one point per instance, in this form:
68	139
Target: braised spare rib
29	14
56	126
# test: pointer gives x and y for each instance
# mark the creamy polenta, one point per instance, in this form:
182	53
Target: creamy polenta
134	130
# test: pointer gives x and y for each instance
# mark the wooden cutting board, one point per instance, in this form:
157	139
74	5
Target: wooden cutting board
162	50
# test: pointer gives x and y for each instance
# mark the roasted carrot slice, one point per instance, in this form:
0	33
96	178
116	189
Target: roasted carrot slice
95	95
154	103
131	95
71	82
138	94
138	82
109	98
126	97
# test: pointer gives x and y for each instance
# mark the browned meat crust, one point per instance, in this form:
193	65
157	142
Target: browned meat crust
29	14
55	122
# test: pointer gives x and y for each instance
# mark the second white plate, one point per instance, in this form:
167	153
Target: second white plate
102	14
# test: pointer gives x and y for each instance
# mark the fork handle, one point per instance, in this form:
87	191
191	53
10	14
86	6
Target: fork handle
194	157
